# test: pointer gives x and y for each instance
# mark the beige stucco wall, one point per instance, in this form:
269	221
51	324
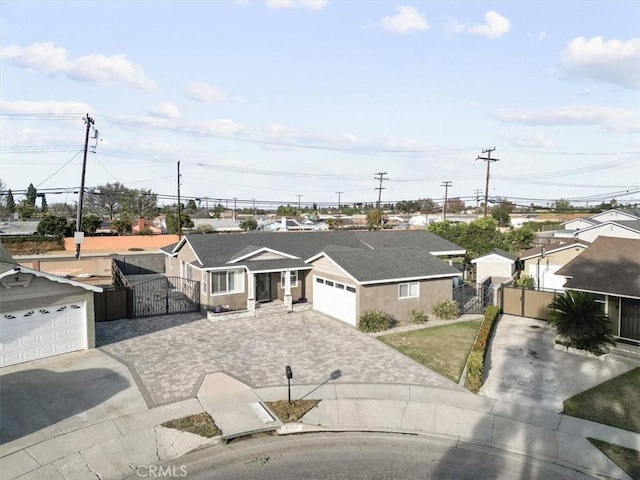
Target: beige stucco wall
559	258
42	292
495	268
385	297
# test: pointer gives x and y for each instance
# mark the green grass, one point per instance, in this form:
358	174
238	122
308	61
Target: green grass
200	424
627	459
443	349
615	402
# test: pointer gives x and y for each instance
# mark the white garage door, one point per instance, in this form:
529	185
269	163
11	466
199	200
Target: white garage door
31	334
336	299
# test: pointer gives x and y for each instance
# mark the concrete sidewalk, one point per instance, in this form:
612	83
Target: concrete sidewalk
114	448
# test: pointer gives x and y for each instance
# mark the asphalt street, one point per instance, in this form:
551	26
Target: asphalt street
360	456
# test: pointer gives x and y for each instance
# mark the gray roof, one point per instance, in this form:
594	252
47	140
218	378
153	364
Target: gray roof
22	227
610	266
217	250
552	247
369	266
502	253
6	260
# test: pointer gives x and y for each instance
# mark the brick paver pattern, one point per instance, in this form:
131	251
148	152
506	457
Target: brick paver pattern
169	354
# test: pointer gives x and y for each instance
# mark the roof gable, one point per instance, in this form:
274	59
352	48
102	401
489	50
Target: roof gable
553	248
496	254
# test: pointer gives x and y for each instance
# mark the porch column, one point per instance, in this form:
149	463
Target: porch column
288	300
251	292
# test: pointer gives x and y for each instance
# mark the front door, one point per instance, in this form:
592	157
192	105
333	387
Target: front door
630	319
263	287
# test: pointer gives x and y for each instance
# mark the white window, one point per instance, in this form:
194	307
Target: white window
409	290
294	278
229	281
205	276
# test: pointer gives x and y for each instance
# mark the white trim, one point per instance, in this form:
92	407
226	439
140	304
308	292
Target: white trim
276	270
559	249
204	276
494	257
609	294
448	252
604	224
293	284
48	276
240	289
408	284
261	250
316	257
411	279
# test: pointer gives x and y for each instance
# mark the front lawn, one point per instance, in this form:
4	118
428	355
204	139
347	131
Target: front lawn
615	403
443	349
627	459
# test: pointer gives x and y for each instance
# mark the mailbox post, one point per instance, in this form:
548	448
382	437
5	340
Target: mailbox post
289	377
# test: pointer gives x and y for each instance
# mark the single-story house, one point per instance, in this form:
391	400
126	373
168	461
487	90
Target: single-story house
542	263
496	267
610	228
610	268
42	314
341	273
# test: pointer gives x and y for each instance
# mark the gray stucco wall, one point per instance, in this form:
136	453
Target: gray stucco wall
385	297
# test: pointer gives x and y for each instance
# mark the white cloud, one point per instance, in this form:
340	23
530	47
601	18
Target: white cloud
406	20
46	107
617	119
530	139
452	25
613	61
102	69
206	93
495	25
225	127
165	110
542	36
307	4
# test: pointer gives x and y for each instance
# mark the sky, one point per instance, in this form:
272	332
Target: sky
291	101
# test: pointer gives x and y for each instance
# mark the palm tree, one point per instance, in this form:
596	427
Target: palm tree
580	319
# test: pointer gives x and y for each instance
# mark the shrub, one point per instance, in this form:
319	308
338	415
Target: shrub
525	281
375	321
446	310
580	319
418	316
475	362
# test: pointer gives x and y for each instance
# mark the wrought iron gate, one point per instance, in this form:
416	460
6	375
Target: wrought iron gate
166	295
473	297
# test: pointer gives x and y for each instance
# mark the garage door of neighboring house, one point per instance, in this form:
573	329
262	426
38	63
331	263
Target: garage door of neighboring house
336	299
31	334
630	319
548	279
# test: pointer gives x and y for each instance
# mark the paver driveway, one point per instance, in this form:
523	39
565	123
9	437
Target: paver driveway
171	354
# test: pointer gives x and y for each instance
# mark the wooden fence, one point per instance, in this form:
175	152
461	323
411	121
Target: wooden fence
527	303
112	304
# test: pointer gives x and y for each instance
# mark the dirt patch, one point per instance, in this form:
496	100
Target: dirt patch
291	412
201	424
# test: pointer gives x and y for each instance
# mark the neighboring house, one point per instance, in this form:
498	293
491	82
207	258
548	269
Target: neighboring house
218	224
579	224
284	224
342	273
42	314
610	228
542	263
616	215
610	268
495	267
148	226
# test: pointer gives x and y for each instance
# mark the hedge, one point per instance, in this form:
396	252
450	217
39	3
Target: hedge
475	361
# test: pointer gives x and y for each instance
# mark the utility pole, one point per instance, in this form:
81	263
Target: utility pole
234	209
487	159
254	208
380	176
179	206
446	184
477	193
299	196
79	236
339	213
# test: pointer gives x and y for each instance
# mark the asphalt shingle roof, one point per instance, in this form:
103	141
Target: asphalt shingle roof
610	265
552	247
390	264
216	250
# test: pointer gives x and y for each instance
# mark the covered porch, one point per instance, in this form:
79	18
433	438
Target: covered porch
282	282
